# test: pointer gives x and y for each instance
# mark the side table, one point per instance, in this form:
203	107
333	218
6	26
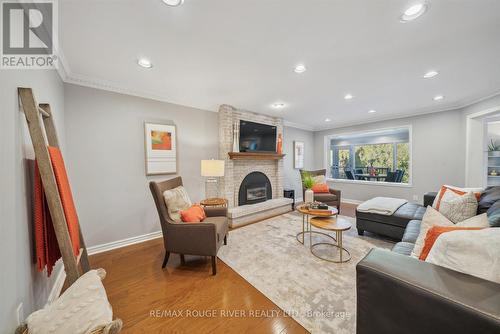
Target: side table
222	202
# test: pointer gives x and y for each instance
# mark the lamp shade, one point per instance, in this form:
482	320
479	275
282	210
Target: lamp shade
212	168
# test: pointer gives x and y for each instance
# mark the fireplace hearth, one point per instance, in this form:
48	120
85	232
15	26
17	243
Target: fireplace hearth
254	188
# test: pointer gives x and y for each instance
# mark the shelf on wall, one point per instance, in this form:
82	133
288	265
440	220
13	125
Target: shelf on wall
255	156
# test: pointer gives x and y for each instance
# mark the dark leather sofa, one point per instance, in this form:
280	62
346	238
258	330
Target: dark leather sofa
397	293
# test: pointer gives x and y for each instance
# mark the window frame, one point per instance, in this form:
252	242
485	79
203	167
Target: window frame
328	156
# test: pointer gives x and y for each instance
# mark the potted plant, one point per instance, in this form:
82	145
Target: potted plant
308	182
494	148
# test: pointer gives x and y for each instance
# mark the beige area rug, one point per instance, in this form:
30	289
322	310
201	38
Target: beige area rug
320	295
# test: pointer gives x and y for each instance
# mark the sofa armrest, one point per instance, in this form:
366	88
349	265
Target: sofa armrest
429	198
335	192
400	294
215	211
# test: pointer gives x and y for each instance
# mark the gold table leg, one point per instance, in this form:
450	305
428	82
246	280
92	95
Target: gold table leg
338	245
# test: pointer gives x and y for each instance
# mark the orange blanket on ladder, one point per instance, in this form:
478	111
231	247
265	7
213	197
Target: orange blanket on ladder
47	248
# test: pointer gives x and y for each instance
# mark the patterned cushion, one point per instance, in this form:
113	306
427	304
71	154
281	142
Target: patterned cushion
176	200
447	191
459	208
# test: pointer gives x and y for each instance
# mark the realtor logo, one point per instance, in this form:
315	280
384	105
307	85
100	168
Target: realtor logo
28	34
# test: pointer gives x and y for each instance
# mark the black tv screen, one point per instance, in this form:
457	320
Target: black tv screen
256	137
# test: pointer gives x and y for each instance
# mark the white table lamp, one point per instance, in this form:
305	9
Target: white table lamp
211	169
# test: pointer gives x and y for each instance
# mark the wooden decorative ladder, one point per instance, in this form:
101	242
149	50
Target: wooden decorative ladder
43	133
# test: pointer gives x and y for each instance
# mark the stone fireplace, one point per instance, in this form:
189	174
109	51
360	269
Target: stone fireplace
253	187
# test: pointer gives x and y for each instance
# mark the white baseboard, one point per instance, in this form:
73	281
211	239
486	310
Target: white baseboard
122	243
58	285
351	201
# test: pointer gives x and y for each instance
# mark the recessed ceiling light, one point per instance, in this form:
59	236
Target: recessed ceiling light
414	11
327	120
144	62
278	105
300	68
173	3
348	96
430	74
438	97
372	111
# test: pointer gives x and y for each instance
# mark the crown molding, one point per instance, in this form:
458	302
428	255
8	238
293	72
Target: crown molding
382	119
298	126
68	76
425	111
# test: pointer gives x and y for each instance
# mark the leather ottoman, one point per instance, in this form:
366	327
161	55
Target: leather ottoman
391	226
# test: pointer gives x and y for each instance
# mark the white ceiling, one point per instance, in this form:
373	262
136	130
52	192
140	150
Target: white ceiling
242	52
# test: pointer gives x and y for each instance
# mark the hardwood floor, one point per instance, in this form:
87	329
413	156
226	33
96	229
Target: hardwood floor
347	209
151	300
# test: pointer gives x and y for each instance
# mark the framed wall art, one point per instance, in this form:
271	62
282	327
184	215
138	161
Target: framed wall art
161	148
298	154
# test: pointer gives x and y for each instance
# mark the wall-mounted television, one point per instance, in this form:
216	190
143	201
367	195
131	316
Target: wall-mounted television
256	137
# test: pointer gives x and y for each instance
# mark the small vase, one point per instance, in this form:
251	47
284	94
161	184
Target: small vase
279	149
309	196
236	138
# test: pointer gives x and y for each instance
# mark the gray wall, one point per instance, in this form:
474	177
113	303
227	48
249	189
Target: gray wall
105	140
19	279
438	155
292	176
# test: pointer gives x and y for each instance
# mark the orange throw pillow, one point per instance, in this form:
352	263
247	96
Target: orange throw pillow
434	232
194	214
320	188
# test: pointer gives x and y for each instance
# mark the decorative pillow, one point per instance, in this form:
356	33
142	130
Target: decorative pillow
458	208
320	188
433	234
489	197
176	200
435	218
449	190
81	308
194	214
494	214
319	179
470	252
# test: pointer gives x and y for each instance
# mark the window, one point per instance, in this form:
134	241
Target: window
375	156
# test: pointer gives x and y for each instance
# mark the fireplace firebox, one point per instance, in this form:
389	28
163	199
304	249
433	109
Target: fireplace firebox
254	188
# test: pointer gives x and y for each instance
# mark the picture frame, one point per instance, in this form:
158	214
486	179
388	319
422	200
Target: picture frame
160	148
298	154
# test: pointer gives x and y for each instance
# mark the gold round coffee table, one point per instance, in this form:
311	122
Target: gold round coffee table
336	224
307	213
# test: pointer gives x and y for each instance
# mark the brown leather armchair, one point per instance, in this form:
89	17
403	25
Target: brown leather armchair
332	198
204	238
